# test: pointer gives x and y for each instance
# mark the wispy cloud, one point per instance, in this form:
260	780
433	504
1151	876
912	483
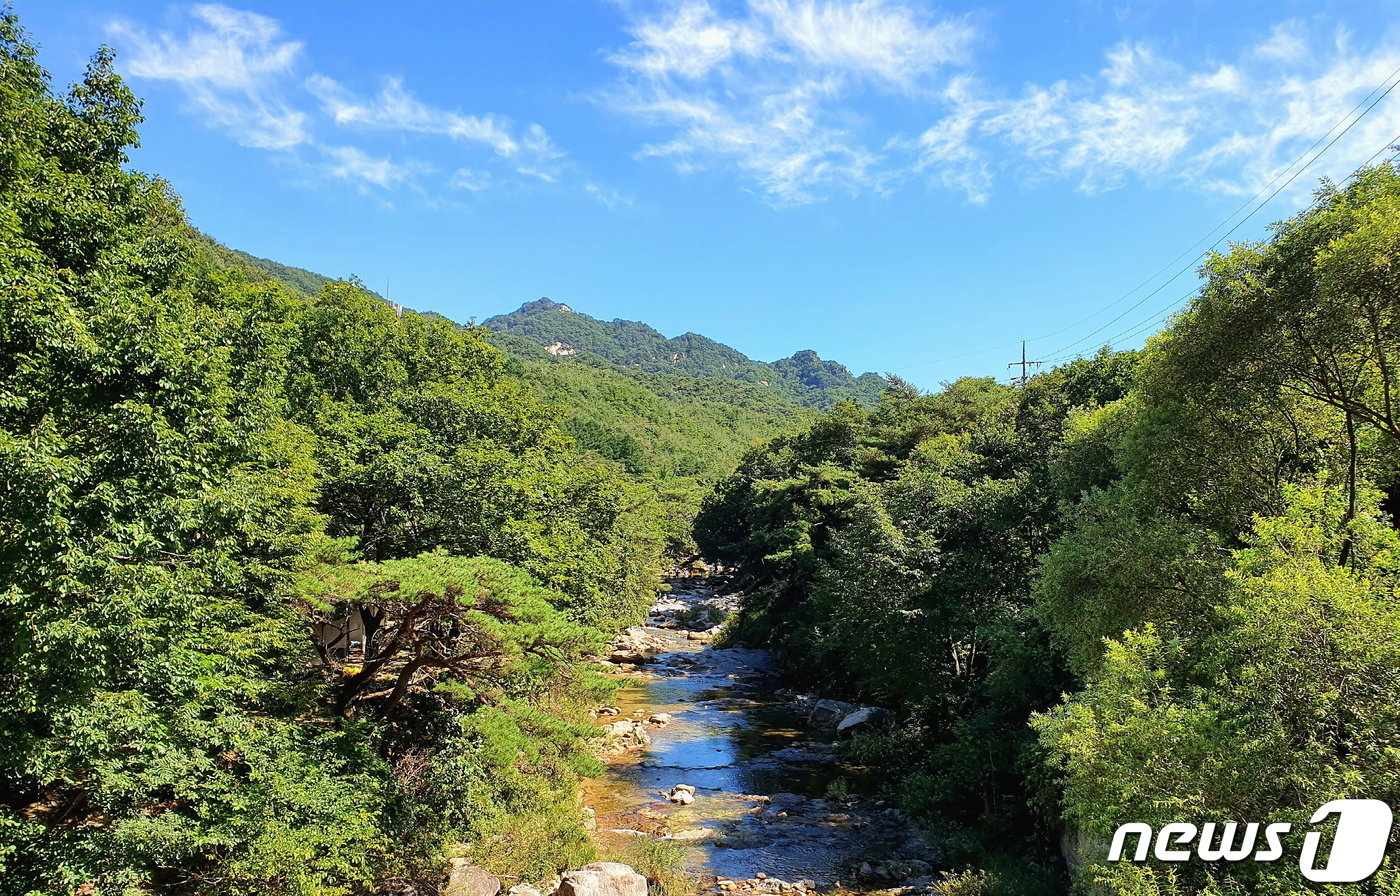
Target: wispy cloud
530	149
607	196
803	100
469	180
1227	127
230	64
800	101
395	109
881	41
353	164
767	92
243	75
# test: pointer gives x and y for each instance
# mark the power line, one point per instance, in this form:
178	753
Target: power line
1390	79
1161	314
1387	80
1241	222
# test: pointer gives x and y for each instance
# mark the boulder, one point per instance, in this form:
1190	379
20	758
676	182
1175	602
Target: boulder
627	656
826	713
626	734
464	879
864	719
524	890
603	879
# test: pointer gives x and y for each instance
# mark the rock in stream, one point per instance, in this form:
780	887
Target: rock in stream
710	752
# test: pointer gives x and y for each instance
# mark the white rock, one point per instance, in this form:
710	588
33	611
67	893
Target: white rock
694	834
603	879
864	718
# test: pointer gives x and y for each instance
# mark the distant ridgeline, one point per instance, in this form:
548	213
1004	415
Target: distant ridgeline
308	283
804	379
690	419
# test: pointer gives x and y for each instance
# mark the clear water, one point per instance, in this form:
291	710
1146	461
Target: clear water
736	741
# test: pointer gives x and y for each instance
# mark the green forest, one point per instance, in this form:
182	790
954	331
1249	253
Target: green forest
1150	586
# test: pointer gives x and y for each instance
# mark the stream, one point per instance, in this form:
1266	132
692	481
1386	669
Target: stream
771	809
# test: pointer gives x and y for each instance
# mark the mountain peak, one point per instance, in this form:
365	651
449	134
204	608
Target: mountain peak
543	304
804	378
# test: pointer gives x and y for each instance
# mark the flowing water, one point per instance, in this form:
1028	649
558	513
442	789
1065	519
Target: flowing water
770	790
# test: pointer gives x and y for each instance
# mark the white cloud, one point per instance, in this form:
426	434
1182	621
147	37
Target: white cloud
945	154
766	92
870	37
802	100
1140	123
239	50
688	43
243	75
467	179
1225	127
607	196
353	164
228	64
395	109
1287	42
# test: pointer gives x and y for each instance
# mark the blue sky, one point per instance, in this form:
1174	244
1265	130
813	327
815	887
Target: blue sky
901	187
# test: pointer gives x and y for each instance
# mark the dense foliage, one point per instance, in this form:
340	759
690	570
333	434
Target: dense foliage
1226	589
803	379
659	426
891	554
185	452
1198	547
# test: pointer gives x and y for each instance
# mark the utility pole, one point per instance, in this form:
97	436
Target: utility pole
1024	365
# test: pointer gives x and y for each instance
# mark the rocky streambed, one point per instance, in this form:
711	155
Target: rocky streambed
707	748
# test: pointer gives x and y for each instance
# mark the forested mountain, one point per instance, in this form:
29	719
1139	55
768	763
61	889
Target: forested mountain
804	379
676	434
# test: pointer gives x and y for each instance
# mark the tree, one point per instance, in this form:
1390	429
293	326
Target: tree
1288	703
437	618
